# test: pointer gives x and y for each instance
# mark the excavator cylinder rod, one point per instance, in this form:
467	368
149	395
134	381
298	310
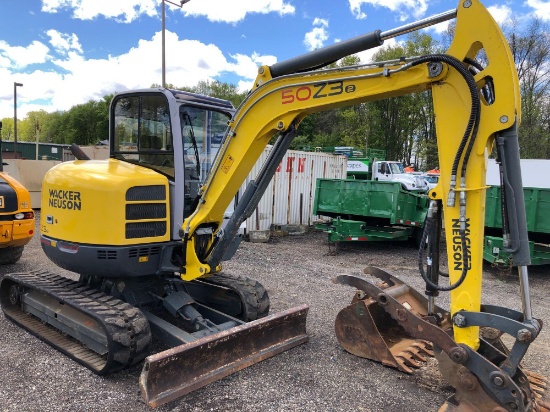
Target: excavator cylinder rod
334	52
175	372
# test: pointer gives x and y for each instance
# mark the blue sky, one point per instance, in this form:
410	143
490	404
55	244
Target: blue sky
67	52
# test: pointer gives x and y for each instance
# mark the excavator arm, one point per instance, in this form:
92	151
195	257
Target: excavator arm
476	105
286	92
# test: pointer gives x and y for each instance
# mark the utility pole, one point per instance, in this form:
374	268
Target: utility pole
37	137
1	160
182	2
15	84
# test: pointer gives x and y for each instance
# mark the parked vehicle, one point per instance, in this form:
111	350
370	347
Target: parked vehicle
367	210
374	166
16	216
537	206
430	179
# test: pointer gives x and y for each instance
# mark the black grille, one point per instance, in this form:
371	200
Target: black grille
107	254
138	193
144	251
145	229
145	211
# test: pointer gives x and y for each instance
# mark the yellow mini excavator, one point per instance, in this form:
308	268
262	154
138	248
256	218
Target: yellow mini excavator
16	216
145	229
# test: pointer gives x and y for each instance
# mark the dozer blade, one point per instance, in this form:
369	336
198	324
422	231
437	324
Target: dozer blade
175	372
365	329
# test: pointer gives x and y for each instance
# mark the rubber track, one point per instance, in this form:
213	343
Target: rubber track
253	295
127	329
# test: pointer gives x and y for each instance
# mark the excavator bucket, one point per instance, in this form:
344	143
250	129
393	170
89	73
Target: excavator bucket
365	329
177	371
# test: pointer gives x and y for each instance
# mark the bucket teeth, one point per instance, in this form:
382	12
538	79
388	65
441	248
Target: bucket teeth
408	359
536	388
412	356
542	406
425	347
415	353
402	365
538	384
536	377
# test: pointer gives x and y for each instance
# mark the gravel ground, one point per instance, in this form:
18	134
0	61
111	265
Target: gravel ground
316	376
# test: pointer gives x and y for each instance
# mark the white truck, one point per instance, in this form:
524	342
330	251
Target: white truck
370	168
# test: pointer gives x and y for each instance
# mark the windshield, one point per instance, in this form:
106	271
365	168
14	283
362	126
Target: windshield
397	168
142	132
202	132
143	135
431	179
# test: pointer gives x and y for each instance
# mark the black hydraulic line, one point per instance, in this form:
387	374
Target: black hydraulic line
430	221
467	139
434	239
469	78
488	90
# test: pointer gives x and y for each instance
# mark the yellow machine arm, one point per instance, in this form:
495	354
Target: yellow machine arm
280	100
475	106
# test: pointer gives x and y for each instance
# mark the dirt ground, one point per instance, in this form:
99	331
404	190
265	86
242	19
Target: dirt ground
316	376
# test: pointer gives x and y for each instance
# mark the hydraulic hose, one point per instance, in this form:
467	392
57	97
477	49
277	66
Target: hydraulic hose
466	142
474	113
425	233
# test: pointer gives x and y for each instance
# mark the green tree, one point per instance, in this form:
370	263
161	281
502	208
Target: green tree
221	90
28	128
404	126
7	128
531	51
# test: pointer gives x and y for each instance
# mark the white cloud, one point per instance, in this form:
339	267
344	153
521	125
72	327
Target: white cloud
316	38
439	28
121	10
355	7
19	57
129	10
63	43
247	66
36	85
542	8
244	86
235	10
404	8
187	63
500	13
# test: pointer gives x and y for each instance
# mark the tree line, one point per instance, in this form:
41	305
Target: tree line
402	126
